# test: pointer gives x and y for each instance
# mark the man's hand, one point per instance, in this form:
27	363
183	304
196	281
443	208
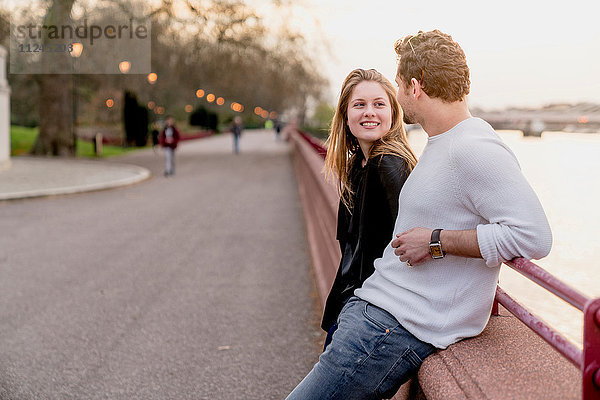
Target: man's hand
412	246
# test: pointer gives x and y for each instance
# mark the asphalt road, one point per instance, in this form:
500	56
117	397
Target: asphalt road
195	286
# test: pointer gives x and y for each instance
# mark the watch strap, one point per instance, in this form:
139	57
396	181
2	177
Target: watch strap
435	235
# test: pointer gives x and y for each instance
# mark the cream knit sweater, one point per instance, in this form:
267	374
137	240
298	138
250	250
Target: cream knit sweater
466	178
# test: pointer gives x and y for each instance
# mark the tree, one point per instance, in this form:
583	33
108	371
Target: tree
324	113
56	135
222	46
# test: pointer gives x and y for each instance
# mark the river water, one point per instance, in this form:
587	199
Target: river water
563	170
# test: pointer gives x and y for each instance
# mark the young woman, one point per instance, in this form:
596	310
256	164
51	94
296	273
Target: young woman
369	157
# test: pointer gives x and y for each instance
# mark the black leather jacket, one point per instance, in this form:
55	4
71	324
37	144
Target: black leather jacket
364	233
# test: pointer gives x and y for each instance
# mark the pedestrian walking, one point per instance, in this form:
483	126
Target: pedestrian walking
236	131
168	139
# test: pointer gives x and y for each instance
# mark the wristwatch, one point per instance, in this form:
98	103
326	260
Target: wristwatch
435	246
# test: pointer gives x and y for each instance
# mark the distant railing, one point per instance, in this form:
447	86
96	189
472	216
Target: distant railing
115	138
315	143
588	360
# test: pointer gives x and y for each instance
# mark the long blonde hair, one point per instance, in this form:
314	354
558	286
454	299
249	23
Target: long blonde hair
342	146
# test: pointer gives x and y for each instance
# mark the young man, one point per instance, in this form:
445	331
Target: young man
464	209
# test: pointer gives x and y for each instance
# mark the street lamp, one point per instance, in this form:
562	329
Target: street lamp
152	77
124	66
75	53
77	50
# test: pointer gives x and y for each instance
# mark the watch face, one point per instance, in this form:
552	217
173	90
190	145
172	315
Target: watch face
436	250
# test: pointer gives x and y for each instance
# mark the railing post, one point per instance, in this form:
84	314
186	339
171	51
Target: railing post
495	310
590	369
495	307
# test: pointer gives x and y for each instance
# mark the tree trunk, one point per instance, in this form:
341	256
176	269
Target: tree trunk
56	136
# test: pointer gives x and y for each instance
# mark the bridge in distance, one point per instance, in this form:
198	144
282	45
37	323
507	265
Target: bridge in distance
583	117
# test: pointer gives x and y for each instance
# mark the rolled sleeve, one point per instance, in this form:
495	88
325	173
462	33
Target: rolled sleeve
515	223
487	245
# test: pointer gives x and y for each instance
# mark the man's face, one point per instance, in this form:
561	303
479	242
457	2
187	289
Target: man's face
405	100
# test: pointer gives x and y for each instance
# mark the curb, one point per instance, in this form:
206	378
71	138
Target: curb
134	173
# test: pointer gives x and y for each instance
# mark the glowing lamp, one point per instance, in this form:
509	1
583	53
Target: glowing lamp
124	66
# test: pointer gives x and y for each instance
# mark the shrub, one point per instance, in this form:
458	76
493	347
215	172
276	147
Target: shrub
204	118
135	119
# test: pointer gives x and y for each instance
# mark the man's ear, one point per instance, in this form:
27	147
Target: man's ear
417	91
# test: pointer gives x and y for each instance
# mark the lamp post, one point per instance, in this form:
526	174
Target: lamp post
75	53
152	78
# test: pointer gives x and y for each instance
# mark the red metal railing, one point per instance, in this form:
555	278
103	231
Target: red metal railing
588	360
315	143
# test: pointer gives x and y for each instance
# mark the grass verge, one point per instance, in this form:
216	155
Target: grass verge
22	139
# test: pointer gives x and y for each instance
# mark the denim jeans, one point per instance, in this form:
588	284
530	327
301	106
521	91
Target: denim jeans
370	356
169	161
329	335
236	144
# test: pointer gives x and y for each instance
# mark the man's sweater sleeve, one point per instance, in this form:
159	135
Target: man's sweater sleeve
491	184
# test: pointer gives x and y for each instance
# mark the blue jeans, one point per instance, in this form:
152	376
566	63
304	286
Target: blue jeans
329	335
370	356
236	143
169	161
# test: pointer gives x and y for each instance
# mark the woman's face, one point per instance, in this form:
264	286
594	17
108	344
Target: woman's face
369	113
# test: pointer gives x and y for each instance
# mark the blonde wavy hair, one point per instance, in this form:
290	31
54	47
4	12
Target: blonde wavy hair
342	146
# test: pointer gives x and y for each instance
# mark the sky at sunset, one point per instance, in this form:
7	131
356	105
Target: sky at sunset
524	53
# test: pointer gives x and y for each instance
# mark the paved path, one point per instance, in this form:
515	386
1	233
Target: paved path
190	287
